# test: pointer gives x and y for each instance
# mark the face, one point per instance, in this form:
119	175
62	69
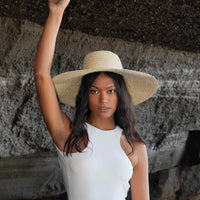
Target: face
103	98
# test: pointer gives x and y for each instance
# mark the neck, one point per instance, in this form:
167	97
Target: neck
104	124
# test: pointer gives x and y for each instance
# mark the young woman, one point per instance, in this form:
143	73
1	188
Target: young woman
100	153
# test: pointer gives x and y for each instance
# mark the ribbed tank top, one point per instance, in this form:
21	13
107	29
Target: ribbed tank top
101	171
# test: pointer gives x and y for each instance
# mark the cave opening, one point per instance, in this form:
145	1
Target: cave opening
191	154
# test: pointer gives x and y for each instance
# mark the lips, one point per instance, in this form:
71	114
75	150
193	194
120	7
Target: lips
103	108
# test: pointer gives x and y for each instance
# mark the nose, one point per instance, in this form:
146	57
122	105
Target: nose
104	98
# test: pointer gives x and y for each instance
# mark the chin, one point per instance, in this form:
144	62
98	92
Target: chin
106	116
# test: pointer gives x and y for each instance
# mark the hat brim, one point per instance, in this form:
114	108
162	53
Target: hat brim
141	86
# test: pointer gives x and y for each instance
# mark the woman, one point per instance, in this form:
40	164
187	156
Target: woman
100	153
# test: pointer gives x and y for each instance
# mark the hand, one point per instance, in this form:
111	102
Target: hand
58	4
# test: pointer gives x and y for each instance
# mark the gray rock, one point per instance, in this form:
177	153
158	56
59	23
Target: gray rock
164	121
176	184
174	24
30	177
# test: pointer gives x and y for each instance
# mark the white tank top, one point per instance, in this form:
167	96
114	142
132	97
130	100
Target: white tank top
101	171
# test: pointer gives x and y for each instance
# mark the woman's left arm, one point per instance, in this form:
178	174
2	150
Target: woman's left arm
140	181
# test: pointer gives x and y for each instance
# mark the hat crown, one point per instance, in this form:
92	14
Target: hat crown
102	60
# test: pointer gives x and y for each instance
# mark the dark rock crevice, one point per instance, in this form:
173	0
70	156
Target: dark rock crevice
19	111
191	155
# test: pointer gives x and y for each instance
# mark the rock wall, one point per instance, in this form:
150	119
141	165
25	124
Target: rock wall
164	121
174	24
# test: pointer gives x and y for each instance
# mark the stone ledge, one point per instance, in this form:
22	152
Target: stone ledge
31	176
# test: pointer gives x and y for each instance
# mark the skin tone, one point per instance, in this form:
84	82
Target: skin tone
102	101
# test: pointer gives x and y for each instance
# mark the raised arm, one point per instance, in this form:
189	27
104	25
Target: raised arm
57	122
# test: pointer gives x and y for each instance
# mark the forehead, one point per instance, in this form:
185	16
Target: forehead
103	80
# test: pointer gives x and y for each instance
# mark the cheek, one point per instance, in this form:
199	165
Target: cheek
115	101
92	101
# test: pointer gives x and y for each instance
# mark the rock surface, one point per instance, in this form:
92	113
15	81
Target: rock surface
171	23
30	177
164	121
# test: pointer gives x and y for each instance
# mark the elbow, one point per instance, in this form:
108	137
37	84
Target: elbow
40	71
41	76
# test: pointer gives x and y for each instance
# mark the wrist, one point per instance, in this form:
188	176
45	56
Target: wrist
55	17
56	13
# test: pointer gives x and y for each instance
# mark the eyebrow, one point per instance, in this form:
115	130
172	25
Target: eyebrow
111	86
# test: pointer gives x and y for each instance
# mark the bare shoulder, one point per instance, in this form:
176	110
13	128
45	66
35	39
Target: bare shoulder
140	151
136	153
140	147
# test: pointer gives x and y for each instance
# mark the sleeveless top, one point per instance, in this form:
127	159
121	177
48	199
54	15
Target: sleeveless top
101	171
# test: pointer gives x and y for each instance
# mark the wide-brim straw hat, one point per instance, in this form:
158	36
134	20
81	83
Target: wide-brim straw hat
141	86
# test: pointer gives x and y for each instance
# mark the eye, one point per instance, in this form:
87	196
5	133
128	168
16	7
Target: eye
92	91
111	91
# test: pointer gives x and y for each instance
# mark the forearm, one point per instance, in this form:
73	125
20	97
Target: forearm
47	42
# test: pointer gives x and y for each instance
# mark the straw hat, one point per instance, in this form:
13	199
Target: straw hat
140	85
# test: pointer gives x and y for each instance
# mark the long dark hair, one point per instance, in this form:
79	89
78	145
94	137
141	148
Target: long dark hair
123	116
